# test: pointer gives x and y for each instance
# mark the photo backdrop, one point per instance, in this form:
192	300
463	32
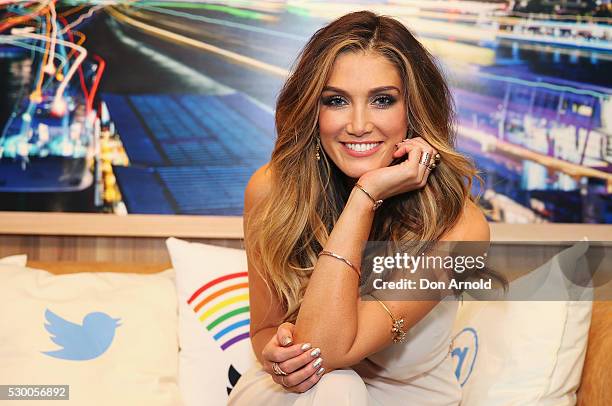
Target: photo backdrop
168	107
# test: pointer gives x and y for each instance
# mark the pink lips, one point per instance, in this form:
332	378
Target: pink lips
361	154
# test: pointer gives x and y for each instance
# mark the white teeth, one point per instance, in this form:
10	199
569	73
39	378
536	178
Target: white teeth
362	147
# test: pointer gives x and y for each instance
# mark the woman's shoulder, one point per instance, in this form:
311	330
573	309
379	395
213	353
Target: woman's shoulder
259	186
472	225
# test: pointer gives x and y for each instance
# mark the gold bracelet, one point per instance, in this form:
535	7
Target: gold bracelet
399	335
346	261
377	203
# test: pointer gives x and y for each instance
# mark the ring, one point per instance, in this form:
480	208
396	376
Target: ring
432	166
425	158
283	381
437	157
277	369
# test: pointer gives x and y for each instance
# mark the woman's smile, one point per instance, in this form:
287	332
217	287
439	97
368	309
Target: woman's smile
361	149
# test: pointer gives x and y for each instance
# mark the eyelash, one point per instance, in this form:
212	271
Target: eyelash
331	101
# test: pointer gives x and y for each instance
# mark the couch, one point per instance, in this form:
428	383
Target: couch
596	382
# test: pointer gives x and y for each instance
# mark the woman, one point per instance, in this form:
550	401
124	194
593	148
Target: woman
364	117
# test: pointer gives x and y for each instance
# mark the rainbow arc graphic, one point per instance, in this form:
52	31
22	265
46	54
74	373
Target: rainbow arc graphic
217	302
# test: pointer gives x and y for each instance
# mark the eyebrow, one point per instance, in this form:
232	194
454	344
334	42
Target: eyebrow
372	91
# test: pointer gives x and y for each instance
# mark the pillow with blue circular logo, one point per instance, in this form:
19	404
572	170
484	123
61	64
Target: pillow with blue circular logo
524	352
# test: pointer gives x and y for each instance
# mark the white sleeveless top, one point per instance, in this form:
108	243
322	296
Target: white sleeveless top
419	371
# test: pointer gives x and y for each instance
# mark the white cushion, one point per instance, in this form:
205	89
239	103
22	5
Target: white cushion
212	288
524	352
111	337
20	260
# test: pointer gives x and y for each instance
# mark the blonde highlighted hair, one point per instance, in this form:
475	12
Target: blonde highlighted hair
288	229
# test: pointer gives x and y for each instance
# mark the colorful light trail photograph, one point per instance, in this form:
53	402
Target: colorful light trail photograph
167	107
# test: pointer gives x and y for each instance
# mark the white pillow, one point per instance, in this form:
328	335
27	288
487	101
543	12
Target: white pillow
214	319
20	260
524	352
111	337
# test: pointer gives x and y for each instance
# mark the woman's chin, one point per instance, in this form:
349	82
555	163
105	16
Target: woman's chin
355	172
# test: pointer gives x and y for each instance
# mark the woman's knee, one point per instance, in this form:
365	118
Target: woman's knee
341	387
341	377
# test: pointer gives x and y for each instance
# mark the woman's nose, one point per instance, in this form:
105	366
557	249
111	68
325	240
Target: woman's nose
359	124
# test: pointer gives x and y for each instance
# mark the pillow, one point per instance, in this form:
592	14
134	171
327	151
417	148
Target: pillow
20	260
215	349
111	337
525	352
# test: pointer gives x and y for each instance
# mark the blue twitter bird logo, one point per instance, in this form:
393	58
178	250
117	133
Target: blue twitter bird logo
80	342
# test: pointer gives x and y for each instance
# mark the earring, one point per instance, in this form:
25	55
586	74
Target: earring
318	148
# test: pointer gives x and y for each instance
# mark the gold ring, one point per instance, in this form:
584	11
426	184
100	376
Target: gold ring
277	369
432	166
283	381
425	158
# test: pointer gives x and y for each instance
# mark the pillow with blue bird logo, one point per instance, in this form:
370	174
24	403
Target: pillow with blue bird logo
111	337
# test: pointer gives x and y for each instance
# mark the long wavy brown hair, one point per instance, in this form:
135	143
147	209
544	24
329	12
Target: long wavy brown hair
290	227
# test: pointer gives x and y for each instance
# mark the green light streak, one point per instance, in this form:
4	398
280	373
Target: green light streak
224	23
298	11
236	12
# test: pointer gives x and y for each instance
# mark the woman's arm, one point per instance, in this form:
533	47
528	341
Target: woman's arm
271	340
265	308
260	339
334	318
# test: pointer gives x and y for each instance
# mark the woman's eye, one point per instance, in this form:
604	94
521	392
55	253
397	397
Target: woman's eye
334	101
384	101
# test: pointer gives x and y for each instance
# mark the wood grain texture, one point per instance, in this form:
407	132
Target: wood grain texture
96	249
226	227
595	387
134	225
67	267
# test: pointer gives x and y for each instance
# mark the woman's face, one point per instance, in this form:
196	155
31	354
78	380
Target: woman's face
363	113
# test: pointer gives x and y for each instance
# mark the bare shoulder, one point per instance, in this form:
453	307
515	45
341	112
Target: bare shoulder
472	225
258	187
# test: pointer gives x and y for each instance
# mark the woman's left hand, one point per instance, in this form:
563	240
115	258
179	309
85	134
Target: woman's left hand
407	176
301	363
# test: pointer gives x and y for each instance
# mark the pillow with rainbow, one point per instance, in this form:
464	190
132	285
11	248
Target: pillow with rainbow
215	350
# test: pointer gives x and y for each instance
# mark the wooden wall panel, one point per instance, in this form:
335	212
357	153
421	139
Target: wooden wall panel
96	249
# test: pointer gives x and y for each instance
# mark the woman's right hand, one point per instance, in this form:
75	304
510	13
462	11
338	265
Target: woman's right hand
301	362
409	175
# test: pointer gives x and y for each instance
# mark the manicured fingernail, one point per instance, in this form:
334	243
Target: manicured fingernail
305	347
315	353
320	371
317	363
286	340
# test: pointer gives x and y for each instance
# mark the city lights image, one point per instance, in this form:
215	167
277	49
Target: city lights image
167	107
